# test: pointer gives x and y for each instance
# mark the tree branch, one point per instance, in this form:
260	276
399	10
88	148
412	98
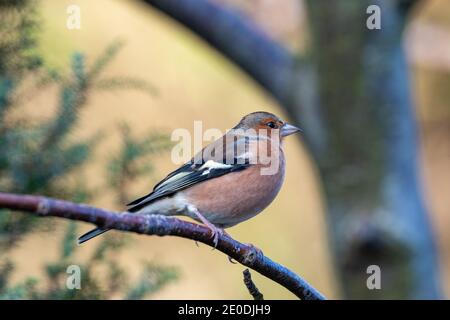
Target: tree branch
162	226
251	286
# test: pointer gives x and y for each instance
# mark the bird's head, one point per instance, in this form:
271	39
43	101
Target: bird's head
265	123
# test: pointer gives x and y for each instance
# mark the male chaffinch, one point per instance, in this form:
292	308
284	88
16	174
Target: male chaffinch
229	181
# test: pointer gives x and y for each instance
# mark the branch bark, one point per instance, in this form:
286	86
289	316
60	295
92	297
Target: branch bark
251	286
162	226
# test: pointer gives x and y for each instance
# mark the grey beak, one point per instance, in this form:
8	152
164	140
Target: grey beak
288	129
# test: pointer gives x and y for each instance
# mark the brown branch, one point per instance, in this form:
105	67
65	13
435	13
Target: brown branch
251	286
162	226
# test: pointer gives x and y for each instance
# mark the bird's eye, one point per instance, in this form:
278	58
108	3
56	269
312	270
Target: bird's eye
271	124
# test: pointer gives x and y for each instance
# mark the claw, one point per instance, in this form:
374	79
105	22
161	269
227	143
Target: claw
216	234
231	260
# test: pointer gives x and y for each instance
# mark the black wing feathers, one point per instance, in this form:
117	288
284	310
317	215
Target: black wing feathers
191	176
195	171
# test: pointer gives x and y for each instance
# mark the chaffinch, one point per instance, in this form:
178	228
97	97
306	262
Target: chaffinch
229	181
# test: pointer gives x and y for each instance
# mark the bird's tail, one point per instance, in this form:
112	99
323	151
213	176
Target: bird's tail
91	234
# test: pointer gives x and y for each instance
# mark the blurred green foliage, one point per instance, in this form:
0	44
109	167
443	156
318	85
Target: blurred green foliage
39	157
102	276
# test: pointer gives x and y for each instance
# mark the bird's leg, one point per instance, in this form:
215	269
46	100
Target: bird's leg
229	258
216	232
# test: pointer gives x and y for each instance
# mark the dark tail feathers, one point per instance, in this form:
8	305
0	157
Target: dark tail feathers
91	234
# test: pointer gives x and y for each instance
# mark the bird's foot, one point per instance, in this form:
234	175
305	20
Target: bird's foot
216	234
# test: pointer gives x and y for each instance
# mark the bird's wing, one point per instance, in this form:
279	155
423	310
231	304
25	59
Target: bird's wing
208	164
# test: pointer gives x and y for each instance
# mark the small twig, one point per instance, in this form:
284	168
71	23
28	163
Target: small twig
163	226
251	287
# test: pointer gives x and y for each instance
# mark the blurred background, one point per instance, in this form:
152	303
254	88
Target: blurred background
86	115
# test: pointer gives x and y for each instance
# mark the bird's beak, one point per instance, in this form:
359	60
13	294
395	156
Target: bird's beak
288	129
